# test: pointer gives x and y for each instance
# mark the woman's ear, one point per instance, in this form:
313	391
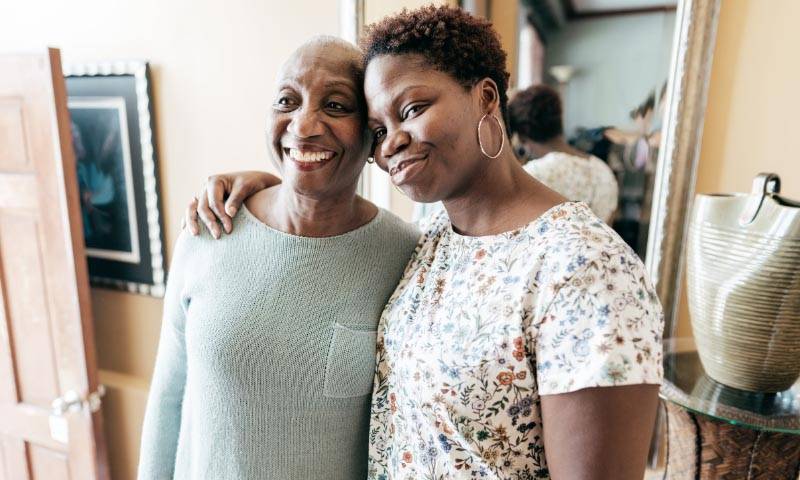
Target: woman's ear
489	95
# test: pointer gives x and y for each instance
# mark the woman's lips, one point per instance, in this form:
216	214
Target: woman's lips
406	170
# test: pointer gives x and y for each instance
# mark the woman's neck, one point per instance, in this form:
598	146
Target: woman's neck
498	198
284	209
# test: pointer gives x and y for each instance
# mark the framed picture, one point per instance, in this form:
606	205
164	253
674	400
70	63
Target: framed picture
112	132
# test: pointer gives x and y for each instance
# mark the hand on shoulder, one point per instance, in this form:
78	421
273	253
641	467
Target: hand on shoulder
221	198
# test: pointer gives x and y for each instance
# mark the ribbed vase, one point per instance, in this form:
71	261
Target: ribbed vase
743	277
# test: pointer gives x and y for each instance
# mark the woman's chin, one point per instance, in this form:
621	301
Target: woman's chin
320	188
419	193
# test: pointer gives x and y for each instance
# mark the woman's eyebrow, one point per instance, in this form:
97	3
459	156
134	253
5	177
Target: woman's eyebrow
405	90
286	84
340	83
399	96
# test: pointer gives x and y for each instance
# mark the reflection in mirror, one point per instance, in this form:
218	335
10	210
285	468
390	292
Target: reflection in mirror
607	63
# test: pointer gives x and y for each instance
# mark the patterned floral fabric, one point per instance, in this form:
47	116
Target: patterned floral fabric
480	327
588	180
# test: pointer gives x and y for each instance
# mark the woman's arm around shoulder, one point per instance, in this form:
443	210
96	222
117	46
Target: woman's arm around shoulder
222	197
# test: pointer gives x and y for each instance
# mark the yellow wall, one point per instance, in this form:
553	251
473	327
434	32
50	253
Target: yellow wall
504	15
213	67
753	115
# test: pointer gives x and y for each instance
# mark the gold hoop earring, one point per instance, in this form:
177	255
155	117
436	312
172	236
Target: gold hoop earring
502	133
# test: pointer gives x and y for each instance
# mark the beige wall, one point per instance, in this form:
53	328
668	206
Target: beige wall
753	114
213	66
504	15
374	10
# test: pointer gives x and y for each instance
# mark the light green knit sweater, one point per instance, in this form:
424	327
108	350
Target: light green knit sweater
267	353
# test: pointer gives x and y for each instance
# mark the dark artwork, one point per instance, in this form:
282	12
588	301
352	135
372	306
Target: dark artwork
101	177
121	217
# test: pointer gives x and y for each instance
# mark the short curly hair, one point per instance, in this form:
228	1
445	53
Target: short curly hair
449	39
535	113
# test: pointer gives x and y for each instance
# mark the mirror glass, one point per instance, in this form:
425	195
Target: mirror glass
608	61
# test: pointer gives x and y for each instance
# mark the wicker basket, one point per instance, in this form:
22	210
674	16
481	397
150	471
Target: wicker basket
743	276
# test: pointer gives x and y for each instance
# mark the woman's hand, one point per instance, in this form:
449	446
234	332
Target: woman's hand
222	197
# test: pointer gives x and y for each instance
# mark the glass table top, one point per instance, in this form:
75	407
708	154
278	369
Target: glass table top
686	384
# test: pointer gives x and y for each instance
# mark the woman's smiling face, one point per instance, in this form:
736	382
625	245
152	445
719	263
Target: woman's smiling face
316	126
423	123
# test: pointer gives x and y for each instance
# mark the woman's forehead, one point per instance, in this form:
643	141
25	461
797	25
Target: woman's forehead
390	76
387	71
321	66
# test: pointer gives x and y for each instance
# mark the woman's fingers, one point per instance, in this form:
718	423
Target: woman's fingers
215	194
190	218
208	217
239	192
211	205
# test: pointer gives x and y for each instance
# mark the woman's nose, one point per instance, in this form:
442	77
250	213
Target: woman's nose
395	142
305	123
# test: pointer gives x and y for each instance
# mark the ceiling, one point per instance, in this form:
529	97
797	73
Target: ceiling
583	7
548	16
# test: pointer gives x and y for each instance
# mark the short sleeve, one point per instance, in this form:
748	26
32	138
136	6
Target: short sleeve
603	327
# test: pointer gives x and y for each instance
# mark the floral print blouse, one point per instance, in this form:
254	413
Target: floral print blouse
480	327
588	180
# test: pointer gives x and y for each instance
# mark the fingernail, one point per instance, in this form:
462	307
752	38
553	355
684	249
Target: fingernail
231	211
228	228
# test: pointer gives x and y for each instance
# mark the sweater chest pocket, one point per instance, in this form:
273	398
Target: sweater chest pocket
351	363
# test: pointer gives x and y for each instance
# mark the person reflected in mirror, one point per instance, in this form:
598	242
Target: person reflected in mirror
633	160
267	352
537	121
524	339
657	124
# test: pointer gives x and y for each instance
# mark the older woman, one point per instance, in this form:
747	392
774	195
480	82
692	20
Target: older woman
267	353
524	340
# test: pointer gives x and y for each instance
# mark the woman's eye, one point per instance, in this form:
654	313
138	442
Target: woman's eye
335	106
284	102
412	110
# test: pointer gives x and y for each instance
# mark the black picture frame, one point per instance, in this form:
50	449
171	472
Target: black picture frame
111	118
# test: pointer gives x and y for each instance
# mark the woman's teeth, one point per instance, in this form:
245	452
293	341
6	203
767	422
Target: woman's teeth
402	165
309	157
